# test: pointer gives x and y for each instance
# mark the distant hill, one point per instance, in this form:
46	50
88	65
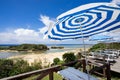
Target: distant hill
102	46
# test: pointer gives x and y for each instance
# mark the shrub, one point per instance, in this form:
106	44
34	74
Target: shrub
26	47
5	67
10	67
102	46
56	61
79	55
68	57
98	46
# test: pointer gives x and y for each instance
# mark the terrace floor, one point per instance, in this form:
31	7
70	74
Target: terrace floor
116	67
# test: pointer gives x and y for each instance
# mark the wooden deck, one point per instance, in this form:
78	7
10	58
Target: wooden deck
116	67
49	71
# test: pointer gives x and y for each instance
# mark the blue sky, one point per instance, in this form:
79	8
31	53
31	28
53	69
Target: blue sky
22	20
17	13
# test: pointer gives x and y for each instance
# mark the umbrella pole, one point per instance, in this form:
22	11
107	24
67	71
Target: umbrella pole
83	44
84	48
85	52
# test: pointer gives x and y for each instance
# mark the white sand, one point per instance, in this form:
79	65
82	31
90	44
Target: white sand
44	58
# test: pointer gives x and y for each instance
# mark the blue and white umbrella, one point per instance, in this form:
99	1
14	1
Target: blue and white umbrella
85	21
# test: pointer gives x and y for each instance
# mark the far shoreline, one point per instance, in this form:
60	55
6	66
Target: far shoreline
39	51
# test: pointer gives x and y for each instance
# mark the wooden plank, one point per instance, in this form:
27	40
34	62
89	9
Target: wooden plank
42	75
96	69
116	66
95	63
98	73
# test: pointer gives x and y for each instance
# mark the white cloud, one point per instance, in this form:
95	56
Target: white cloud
27	35
7	38
25	32
43	30
116	2
21	35
115	35
46	21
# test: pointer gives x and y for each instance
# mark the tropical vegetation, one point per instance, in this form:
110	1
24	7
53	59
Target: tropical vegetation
57	47
26	47
68	57
9	67
102	46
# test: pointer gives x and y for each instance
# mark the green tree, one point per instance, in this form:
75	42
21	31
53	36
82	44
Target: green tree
10	67
25	47
102	46
79	55
56	61
68	57
99	46
5	67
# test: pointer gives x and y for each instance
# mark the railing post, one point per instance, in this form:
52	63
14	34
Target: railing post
90	66
104	72
84	65
51	76
108	74
104	58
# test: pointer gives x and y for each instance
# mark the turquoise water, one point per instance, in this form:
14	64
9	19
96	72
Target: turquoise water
70	45
9	54
66	48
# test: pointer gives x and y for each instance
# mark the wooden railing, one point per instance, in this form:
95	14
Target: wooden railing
42	72
49	71
100	65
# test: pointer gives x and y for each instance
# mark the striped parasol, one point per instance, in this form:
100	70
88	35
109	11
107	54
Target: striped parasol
85	21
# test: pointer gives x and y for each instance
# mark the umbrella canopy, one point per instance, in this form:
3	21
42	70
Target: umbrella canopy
85	21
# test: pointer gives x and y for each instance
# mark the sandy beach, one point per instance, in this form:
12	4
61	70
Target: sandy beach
44	58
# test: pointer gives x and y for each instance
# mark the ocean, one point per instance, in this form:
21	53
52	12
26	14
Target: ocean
66	47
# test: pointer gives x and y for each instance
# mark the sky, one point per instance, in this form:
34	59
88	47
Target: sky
25	21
